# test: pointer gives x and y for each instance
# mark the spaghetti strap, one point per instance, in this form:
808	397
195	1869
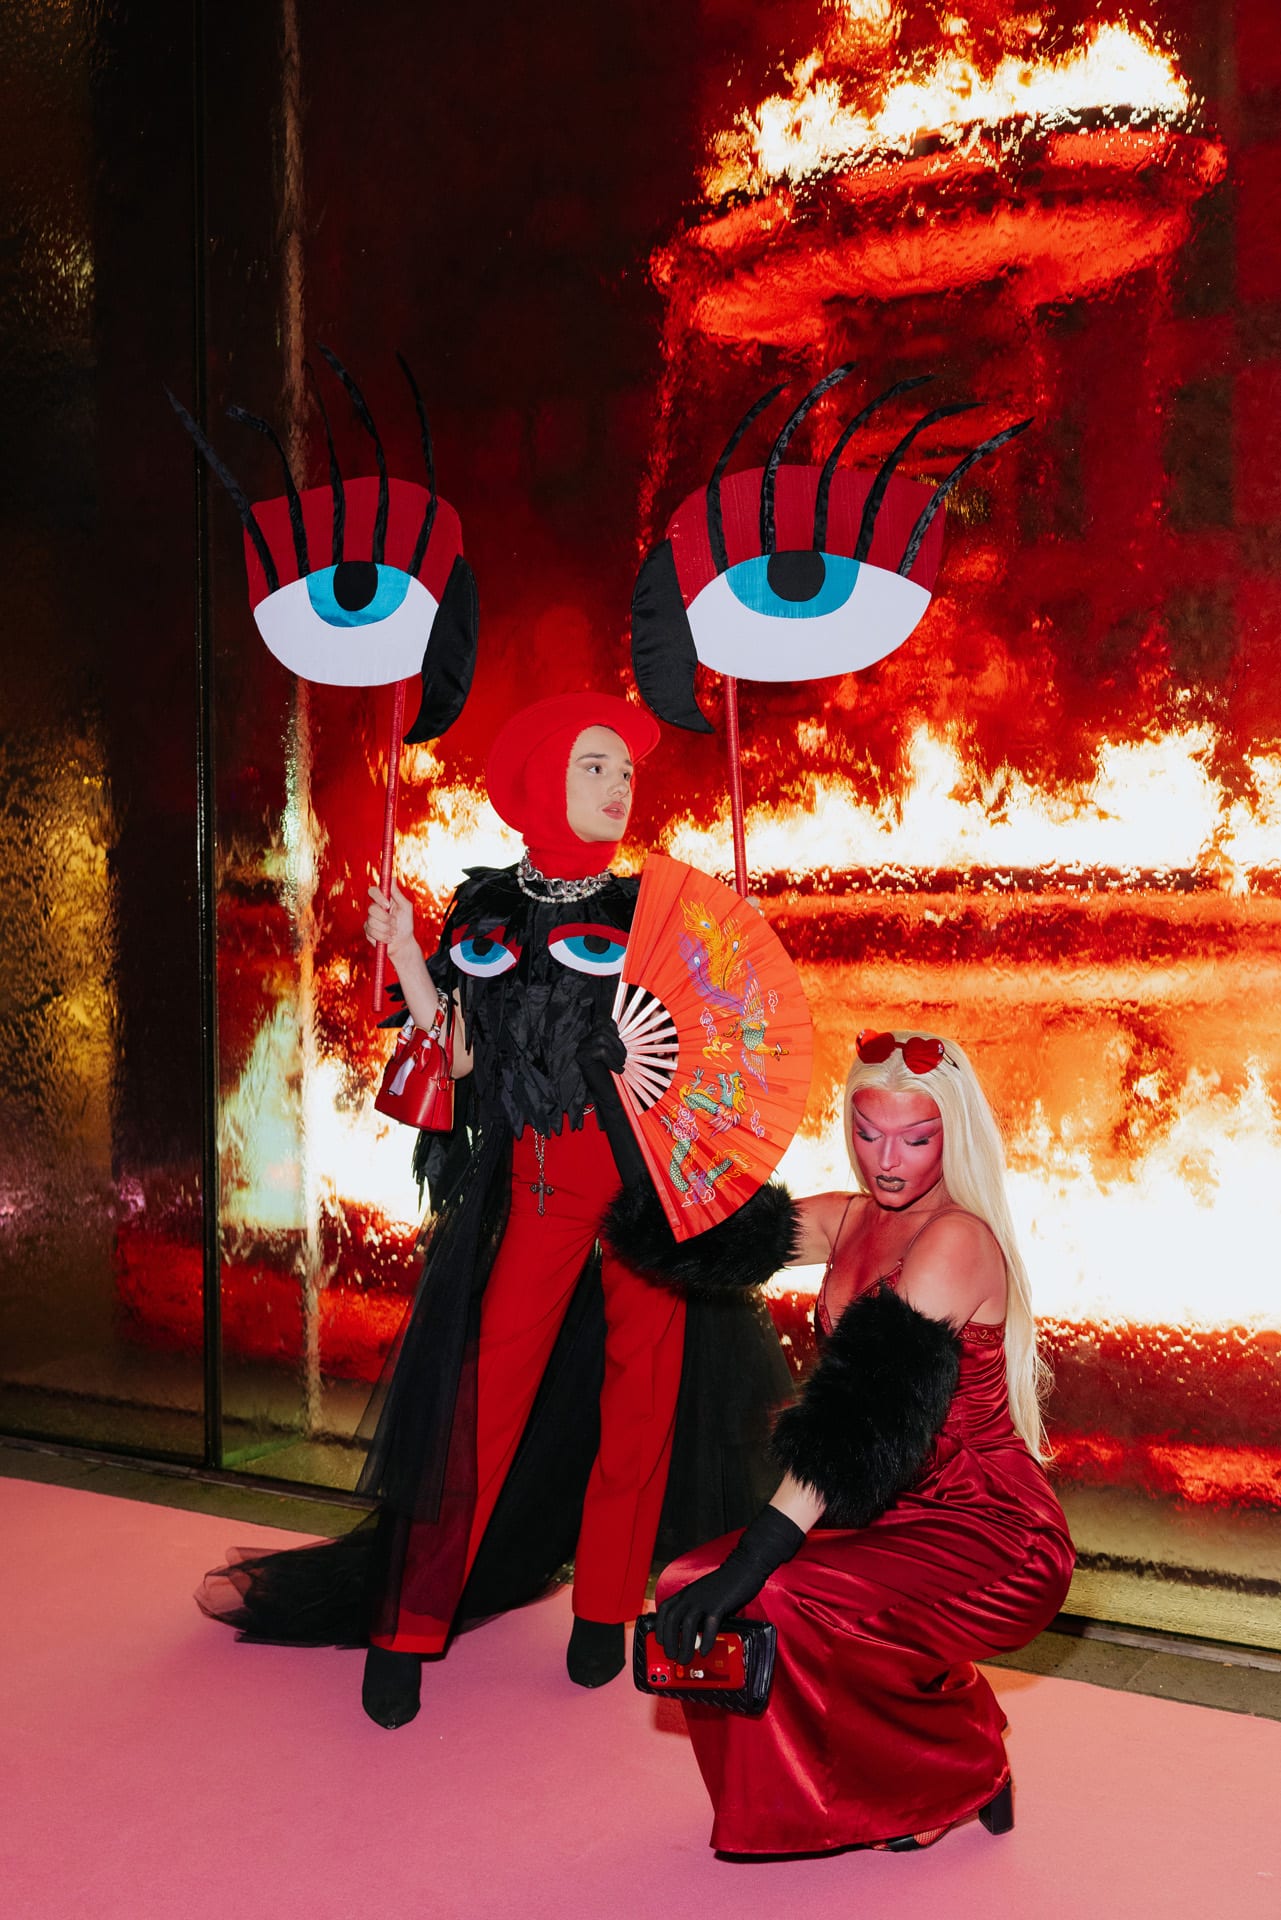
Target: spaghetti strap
831	1252
822	1318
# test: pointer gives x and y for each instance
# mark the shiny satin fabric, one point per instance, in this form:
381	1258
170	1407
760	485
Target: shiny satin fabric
879	1725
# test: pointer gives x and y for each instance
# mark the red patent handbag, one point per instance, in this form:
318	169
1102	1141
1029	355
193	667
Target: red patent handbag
417	1084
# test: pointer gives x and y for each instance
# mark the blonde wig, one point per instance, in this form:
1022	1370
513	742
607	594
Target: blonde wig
974	1174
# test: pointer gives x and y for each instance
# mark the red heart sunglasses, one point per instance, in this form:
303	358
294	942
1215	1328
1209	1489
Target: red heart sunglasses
921	1053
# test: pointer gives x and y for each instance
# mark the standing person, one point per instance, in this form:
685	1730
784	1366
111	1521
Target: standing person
529	1408
913	1531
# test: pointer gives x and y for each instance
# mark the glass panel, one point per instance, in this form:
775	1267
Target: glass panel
1048	825
99	1057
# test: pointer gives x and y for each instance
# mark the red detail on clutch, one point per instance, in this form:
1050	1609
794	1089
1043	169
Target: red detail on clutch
721	1666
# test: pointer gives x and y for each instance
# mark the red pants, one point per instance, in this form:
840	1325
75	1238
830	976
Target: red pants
529	1290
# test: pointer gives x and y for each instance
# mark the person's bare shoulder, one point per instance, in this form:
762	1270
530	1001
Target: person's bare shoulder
819	1218
954	1270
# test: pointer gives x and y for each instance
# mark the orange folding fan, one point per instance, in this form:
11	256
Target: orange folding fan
718	1040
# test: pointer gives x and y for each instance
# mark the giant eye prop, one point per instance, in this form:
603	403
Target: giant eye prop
361	584
790	572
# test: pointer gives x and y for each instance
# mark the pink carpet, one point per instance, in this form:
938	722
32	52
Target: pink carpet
154	1767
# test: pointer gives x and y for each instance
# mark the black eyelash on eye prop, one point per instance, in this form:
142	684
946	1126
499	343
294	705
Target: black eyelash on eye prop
664	650
715	521
239	498
872	505
779	448
946	485
846	435
366	420
296	526
336	487
429	461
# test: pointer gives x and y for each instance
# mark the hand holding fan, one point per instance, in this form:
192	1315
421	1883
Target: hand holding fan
719	1043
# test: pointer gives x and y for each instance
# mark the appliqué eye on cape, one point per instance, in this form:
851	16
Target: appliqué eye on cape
484	953
587	947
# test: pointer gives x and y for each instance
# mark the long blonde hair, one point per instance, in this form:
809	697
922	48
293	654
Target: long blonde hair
974	1174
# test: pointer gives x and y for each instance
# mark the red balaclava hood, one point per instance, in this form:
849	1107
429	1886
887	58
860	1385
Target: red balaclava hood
529	764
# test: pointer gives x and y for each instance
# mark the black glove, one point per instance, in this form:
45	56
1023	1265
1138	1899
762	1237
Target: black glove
603	1048
600	1054
689	1621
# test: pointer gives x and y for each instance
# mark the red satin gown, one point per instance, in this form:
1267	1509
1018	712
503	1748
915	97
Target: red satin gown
879	1724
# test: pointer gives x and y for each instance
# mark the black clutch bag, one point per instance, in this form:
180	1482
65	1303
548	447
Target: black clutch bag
735	1672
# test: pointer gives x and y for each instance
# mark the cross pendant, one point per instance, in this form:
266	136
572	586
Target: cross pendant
541	1188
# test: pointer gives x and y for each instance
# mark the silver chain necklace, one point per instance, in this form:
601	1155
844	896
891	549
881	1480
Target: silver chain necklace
527	873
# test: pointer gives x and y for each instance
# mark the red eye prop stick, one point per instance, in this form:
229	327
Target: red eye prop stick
389	827
730	685
396	599
790	572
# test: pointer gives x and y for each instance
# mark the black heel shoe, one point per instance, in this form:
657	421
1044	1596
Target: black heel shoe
391	1689
998	1815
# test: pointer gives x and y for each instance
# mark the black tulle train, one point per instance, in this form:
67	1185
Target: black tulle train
334	1592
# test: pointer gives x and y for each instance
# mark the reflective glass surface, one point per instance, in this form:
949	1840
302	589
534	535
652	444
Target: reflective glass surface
1049	823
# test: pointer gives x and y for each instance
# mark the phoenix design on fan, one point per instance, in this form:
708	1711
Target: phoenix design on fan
717	963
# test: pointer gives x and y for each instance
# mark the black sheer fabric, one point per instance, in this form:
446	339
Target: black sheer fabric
313	1596
335	1592
407	1424
734	1378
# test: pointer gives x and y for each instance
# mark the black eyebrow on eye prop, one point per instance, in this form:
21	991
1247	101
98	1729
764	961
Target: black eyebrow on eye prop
239	498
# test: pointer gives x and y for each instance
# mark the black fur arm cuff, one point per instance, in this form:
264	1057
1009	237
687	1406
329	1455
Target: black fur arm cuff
731	1257
862	1429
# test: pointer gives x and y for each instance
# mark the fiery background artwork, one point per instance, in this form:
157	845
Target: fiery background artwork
1050	824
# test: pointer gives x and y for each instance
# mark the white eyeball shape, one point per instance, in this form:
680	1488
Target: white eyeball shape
313	633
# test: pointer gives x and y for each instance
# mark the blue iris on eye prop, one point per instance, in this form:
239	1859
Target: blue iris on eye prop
797	585
588	948
357	593
483	955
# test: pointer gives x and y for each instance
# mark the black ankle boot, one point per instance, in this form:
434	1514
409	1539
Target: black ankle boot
391	1687
596	1652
